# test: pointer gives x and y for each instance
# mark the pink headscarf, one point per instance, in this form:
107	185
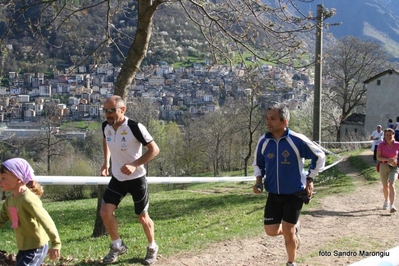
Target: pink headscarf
20	168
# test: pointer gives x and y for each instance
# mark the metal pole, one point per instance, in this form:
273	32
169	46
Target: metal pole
317	78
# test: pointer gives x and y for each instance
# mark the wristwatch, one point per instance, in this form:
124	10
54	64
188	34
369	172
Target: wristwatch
310	179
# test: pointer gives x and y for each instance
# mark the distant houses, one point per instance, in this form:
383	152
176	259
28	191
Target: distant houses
194	89
78	93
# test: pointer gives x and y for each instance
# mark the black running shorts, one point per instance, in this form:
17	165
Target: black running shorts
282	207
138	188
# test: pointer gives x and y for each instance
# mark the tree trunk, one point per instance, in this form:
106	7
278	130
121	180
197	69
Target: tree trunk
137	50
249	154
99	228
338	138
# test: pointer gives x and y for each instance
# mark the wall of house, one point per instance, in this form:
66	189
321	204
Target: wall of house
382	101
353	132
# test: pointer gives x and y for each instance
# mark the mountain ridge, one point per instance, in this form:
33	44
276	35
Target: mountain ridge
367	19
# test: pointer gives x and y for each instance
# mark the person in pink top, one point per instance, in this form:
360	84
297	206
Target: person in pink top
387	154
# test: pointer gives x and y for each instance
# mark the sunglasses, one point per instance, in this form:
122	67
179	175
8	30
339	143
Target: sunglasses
110	110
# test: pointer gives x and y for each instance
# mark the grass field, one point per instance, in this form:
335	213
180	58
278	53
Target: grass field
188	219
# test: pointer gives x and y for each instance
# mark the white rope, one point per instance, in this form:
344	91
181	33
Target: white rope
101	180
104	180
347	142
340	158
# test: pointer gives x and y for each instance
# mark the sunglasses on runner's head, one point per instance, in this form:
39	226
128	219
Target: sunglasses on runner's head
110	110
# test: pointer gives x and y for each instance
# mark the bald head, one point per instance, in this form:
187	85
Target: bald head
115	101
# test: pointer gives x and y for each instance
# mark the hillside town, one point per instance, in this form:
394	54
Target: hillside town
78	93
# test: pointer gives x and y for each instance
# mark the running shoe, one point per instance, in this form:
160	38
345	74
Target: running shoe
385	206
151	255
114	253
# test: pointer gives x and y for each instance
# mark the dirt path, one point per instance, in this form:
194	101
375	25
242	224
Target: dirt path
357	217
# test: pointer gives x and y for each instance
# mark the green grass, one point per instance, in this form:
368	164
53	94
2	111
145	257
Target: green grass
188	219
184	219
86	125
365	169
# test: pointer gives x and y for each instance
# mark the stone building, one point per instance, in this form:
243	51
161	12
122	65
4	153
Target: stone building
382	99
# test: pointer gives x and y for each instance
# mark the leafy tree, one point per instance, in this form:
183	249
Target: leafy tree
217	129
249	111
193	156
347	64
78	165
89	147
169	140
301	119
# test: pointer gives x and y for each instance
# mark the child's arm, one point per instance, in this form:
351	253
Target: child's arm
4	218
42	216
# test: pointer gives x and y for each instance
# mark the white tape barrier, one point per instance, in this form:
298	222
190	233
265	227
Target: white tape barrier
340	158
347	142
103	180
331	165
384	258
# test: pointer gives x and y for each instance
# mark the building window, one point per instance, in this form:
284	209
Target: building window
355	130
378	82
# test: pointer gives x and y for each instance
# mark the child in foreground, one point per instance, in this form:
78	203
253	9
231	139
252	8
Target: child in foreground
33	226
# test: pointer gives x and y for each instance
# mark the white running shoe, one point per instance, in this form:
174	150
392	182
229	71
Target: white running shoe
385	206
151	255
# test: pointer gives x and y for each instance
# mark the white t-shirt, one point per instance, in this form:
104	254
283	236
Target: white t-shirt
377	138
125	148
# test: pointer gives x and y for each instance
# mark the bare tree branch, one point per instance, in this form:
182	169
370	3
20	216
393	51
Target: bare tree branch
347	65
